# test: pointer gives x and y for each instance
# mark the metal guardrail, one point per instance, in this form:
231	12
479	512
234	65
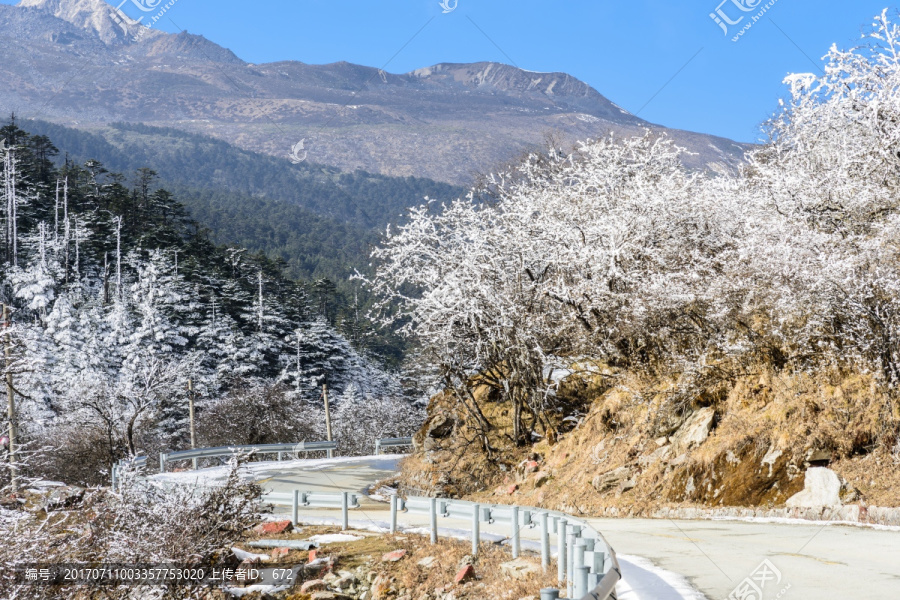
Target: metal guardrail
391	443
343	500
279	449
586	563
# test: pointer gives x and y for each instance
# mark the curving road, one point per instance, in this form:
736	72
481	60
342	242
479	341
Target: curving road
714	558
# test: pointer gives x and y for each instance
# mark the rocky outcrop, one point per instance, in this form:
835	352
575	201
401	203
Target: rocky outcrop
822	487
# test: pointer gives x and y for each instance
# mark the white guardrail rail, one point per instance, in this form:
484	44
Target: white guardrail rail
279	449
392	443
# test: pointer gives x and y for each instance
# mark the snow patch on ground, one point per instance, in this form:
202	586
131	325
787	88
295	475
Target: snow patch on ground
788	521
642	580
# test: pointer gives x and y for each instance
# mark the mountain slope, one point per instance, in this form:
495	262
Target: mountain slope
315	220
446	122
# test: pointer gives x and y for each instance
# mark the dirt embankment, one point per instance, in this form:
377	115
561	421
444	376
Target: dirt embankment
632	444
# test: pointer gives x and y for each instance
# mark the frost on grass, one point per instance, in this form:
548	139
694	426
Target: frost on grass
144	523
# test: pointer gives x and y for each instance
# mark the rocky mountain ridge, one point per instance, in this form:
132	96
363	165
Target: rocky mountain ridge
70	62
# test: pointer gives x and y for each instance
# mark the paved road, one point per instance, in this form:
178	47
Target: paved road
806	561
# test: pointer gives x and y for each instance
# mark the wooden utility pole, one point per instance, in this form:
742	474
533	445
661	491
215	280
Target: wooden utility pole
10	401
327	411
327	417
191	410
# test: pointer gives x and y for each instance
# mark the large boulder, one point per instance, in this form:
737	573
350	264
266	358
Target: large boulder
695	430
611	480
822	487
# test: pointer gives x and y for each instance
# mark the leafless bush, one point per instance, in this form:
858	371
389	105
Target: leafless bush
143	524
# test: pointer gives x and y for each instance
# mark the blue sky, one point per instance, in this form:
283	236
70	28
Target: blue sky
667	59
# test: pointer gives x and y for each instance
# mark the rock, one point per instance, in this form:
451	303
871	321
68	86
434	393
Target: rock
512	489
662	441
468	559
382	588
530	466
520	568
274	527
440	427
627	485
695	430
329	596
611	480
393	556
467	573
541	478
818	456
313	555
279	553
822	487
313	585
65	497
427	562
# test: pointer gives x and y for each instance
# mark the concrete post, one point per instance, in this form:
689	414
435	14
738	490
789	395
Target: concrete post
295	508
514	539
561	550
345	515
549	594
433	515
476	529
162	463
545	542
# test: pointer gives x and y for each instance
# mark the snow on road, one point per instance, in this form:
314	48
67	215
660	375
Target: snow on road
642	580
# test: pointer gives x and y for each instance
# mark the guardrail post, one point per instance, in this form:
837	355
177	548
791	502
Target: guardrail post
514	540
377	447
434	533
393	513
561	550
196	464
570	563
329	453
476	529
162	463
549	594
545	542
580	570
295	507
345	514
